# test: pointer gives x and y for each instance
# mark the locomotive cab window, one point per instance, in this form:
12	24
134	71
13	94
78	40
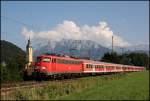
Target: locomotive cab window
39	59
46	59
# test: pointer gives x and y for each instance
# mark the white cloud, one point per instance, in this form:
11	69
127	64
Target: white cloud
101	34
27	33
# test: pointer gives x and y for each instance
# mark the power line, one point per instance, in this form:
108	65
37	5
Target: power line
14	20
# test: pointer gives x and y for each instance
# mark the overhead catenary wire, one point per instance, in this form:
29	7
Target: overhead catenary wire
20	22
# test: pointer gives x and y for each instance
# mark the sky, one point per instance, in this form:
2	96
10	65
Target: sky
127	21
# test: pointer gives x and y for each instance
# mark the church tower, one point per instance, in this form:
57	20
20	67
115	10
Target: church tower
29	53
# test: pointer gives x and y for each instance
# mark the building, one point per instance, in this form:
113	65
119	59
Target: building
29	54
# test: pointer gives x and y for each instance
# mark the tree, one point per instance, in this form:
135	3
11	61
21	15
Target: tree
111	57
4	73
124	59
137	59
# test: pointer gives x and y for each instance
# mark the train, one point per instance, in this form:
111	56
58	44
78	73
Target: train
52	66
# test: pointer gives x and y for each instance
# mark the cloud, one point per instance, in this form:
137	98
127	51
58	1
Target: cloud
27	33
101	34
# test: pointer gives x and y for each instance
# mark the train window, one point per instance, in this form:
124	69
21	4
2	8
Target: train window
68	61
76	62
86	65
57	60
65	61
91	66
45	59
71	62
60	61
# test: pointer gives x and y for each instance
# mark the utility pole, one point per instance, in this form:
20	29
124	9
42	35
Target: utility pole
112	43
122	50
89	54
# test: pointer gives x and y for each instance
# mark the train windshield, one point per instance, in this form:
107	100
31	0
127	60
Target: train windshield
43	59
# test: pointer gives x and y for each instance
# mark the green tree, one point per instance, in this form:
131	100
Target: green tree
111	57
4	74
124	59
139	59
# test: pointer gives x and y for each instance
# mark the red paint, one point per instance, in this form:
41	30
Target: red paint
56	64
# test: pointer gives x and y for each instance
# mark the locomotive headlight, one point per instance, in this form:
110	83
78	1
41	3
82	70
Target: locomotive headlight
43	67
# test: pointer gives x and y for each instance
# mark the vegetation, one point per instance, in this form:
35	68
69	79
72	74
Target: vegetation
12	62
130	86
136	59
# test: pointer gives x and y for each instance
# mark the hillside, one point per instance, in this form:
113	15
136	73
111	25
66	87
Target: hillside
12	62
9	51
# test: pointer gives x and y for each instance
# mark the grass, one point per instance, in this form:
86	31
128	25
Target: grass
130	86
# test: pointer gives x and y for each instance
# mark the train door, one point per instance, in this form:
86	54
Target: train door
93	68
53	64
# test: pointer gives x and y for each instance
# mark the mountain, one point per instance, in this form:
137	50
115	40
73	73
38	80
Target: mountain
140	48
77	48
9	51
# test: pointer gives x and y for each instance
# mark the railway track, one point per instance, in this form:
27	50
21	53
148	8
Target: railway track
8	88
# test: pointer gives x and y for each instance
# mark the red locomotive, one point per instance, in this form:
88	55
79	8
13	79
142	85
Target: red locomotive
52	66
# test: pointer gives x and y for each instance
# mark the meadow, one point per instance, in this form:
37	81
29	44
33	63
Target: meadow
129	86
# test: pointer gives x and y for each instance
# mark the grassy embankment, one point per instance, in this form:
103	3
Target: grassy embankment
131	86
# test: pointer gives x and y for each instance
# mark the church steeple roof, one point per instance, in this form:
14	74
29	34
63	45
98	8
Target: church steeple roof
29	43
